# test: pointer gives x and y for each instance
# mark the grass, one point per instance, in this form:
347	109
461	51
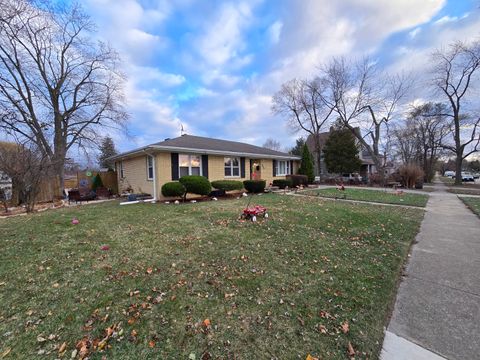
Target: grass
465	191
472	203
378	196
280	288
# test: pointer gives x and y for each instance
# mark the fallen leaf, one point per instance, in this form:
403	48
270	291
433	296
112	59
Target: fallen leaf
62	348
310	357
131	321
6	352
322	329
151	343
134	333
41	339
149	270
345	327
206	322
351	351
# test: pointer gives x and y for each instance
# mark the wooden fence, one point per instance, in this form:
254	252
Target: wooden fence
50	189
84	180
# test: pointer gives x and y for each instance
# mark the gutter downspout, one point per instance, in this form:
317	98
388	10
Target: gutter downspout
154	176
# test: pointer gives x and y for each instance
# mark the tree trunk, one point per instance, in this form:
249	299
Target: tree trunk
317	154
458	169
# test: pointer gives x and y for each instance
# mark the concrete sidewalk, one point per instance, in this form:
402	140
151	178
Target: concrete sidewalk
437	310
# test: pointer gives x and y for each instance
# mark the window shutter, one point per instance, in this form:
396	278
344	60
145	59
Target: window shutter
205	165
174	166
274	168
242	167
291	167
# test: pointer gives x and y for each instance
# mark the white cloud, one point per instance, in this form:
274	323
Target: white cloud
414	32
274	31
222	39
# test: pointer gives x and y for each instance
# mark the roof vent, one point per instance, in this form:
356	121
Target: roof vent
166	139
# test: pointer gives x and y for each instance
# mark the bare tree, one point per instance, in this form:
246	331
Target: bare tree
455	74
272	144
418	140
27	167
57	86
365	99
303	103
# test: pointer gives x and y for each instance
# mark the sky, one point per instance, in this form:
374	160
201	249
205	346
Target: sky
213	66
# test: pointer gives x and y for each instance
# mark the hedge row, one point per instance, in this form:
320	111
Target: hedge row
200	185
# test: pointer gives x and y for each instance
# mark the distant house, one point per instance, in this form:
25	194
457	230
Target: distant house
367	168
6	185
146	169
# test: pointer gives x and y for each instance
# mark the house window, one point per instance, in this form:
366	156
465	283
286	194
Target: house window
283	168
149	167
120	165
232	167
189	164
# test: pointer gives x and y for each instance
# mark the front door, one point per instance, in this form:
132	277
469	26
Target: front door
255	169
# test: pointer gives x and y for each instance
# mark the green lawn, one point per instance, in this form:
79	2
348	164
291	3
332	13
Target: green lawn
465	191
379	196
473	203
280	288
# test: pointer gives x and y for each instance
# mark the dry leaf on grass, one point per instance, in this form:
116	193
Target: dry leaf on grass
62	348
345	327
6	352
350	349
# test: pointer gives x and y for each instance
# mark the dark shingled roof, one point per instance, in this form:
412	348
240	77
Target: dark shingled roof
198	144
204	143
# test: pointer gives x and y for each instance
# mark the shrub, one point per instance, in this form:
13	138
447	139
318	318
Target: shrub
410	174
282	183
298	180
227	185
255	186
97	182
173	189
196	184
375	179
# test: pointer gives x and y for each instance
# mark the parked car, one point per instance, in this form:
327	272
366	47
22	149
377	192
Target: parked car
476	176
466	176
449	173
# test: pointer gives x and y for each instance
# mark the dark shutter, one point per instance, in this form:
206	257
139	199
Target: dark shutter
251	169
242	167
174	166
291	167
274	167
205	165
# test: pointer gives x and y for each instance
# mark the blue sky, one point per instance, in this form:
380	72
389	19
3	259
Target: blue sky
214	65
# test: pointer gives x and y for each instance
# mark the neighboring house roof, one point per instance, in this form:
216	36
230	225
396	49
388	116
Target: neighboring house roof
204	145
323	137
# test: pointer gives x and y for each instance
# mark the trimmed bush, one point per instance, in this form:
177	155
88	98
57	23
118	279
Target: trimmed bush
282	183
173	189
196	184
227	185
298	180
255	186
